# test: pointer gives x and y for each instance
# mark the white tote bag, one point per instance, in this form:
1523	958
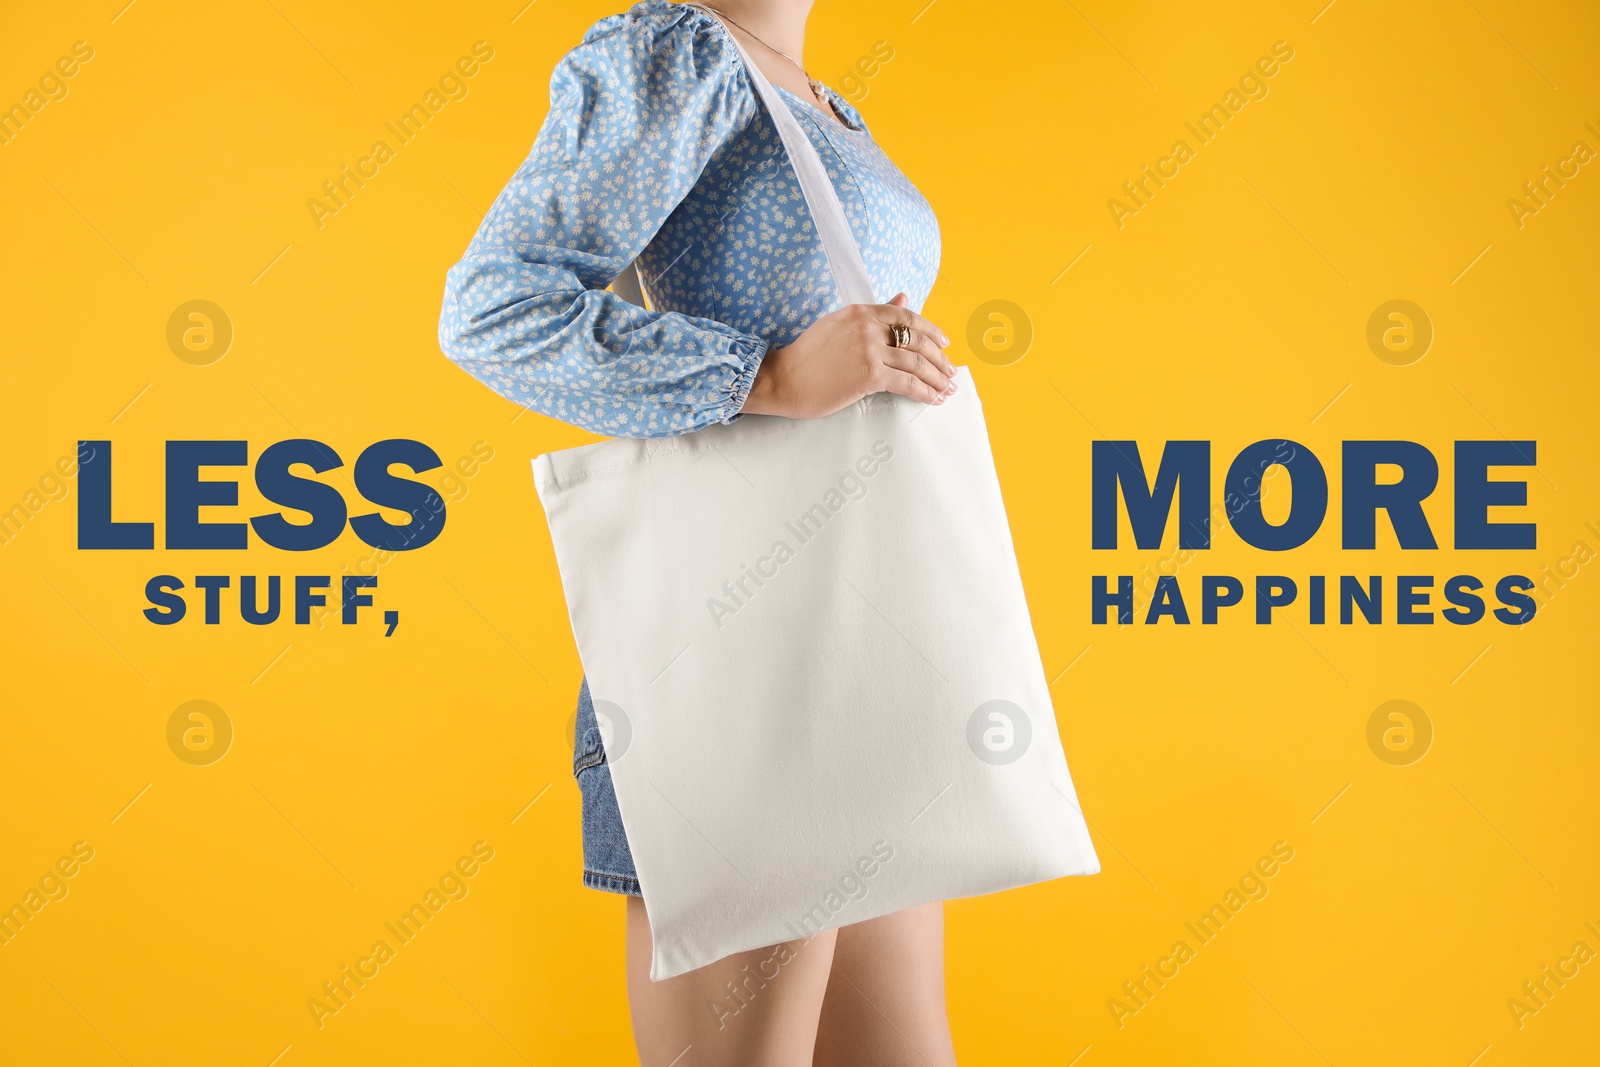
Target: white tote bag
811	657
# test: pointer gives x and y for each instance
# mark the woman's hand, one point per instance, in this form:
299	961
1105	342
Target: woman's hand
849	354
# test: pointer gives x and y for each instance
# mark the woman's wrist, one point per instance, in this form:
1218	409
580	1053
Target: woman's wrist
764	389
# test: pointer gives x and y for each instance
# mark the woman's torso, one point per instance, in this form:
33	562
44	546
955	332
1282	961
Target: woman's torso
741	248
657	150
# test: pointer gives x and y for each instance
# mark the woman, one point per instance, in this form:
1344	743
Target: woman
657	148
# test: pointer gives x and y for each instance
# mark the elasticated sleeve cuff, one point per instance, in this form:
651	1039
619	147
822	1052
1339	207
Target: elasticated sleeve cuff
750	351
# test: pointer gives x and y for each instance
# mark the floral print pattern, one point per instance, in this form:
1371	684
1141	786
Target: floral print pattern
657	148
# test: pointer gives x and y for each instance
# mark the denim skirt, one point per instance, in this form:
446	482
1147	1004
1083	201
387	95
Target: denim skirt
607	862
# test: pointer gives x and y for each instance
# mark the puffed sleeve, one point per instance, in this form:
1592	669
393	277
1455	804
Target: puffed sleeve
636	110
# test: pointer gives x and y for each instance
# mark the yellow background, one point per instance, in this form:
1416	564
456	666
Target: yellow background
1232	308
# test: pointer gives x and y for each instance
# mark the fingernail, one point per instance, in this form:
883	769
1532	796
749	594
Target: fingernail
944	342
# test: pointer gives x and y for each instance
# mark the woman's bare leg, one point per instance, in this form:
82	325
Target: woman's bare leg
885	1001
756	1009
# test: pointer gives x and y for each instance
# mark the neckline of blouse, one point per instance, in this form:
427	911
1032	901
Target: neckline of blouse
843	123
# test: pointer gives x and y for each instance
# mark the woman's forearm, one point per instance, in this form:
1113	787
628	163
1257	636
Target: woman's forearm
535	335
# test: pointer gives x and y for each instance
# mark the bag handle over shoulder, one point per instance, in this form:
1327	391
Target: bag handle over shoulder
844	255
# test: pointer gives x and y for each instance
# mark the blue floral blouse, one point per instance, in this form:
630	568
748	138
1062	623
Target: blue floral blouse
657	147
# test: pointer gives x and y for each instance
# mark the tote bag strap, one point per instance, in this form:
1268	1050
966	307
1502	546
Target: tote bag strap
844	256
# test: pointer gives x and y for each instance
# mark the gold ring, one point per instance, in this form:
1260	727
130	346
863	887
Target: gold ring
899	335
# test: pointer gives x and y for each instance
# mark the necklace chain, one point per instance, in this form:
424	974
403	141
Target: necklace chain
816	86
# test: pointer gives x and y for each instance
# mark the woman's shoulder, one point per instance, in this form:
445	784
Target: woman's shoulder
667	73
664	34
